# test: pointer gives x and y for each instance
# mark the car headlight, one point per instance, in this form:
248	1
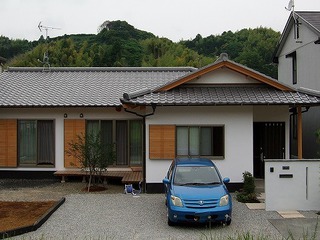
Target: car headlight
224	200
176	201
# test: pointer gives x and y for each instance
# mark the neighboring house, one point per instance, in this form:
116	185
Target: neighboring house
298	58
224	111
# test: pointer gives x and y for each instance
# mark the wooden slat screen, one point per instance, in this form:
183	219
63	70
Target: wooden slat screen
8	143
72	128
162	141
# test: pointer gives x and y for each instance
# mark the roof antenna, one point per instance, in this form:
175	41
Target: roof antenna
45	61
295	19
290	6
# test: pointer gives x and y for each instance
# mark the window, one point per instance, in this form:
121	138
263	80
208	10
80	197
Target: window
136	142
104	127
296	30
195	141
36	142
293	55
127	136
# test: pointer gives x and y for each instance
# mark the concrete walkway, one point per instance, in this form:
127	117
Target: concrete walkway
292	224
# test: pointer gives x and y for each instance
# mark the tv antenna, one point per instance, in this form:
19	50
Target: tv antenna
45	60
46	28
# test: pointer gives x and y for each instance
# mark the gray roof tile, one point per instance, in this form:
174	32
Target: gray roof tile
227	95
312	18
33	87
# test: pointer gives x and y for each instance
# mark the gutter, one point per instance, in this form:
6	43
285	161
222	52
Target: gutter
144	161
126	99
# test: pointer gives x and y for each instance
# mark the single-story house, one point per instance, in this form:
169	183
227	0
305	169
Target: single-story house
224	111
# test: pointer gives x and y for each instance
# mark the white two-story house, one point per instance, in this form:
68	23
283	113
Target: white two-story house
298	58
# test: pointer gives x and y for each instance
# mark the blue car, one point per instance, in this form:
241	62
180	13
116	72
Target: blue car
195	192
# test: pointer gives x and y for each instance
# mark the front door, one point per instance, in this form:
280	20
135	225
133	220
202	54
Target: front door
268	143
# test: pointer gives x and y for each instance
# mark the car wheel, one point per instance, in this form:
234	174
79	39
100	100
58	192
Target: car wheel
228	222
170	223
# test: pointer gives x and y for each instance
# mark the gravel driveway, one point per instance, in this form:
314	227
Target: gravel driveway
120	216
113	215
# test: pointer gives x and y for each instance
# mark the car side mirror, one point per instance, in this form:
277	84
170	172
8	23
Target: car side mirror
226	180
166	181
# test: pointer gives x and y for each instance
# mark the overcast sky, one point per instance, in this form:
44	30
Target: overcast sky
174	19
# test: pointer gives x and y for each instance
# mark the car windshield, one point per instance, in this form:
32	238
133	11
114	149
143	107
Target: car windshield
191	175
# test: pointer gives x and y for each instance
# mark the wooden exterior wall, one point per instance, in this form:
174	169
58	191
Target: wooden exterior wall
8	143
162	141
72	128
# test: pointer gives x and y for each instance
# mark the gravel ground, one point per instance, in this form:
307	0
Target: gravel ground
113	215
45	190
120	216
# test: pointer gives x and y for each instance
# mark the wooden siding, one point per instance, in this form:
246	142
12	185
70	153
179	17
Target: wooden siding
72	128
8	143
162	142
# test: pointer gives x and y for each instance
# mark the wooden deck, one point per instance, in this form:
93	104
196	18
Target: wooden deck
127	177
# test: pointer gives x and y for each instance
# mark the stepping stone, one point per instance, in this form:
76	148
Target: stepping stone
256	206
290	214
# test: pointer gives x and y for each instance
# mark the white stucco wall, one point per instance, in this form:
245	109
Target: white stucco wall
292	185
308	57
224	76
238	137
57	114
238	122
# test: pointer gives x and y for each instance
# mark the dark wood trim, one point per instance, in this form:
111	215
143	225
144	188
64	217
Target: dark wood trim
299	132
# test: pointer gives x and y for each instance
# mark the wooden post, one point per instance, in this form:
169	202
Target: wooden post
299	132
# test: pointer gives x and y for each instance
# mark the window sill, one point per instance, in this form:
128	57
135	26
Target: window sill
36	165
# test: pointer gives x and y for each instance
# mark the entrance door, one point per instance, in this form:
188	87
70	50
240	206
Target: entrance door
268	143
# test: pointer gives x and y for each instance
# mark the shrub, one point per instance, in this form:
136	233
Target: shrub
248	194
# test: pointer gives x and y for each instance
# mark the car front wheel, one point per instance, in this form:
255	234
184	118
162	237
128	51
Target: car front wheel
170	223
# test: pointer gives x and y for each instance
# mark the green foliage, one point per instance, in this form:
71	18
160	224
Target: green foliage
248	194
165	53
251	47
10	48
120	44
93	155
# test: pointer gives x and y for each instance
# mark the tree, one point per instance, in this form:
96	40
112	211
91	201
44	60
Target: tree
93	155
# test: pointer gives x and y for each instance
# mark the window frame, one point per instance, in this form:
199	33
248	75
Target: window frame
294	67
212	156
35	163
127	140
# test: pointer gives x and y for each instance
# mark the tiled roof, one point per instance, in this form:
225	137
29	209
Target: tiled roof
312	18
33	87
225	95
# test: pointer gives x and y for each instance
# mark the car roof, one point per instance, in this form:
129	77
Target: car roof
193	162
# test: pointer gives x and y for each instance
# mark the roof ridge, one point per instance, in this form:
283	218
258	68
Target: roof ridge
99	69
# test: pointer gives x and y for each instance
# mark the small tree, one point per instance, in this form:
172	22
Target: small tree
92	154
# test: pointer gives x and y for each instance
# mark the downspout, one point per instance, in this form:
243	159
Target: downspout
144	155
